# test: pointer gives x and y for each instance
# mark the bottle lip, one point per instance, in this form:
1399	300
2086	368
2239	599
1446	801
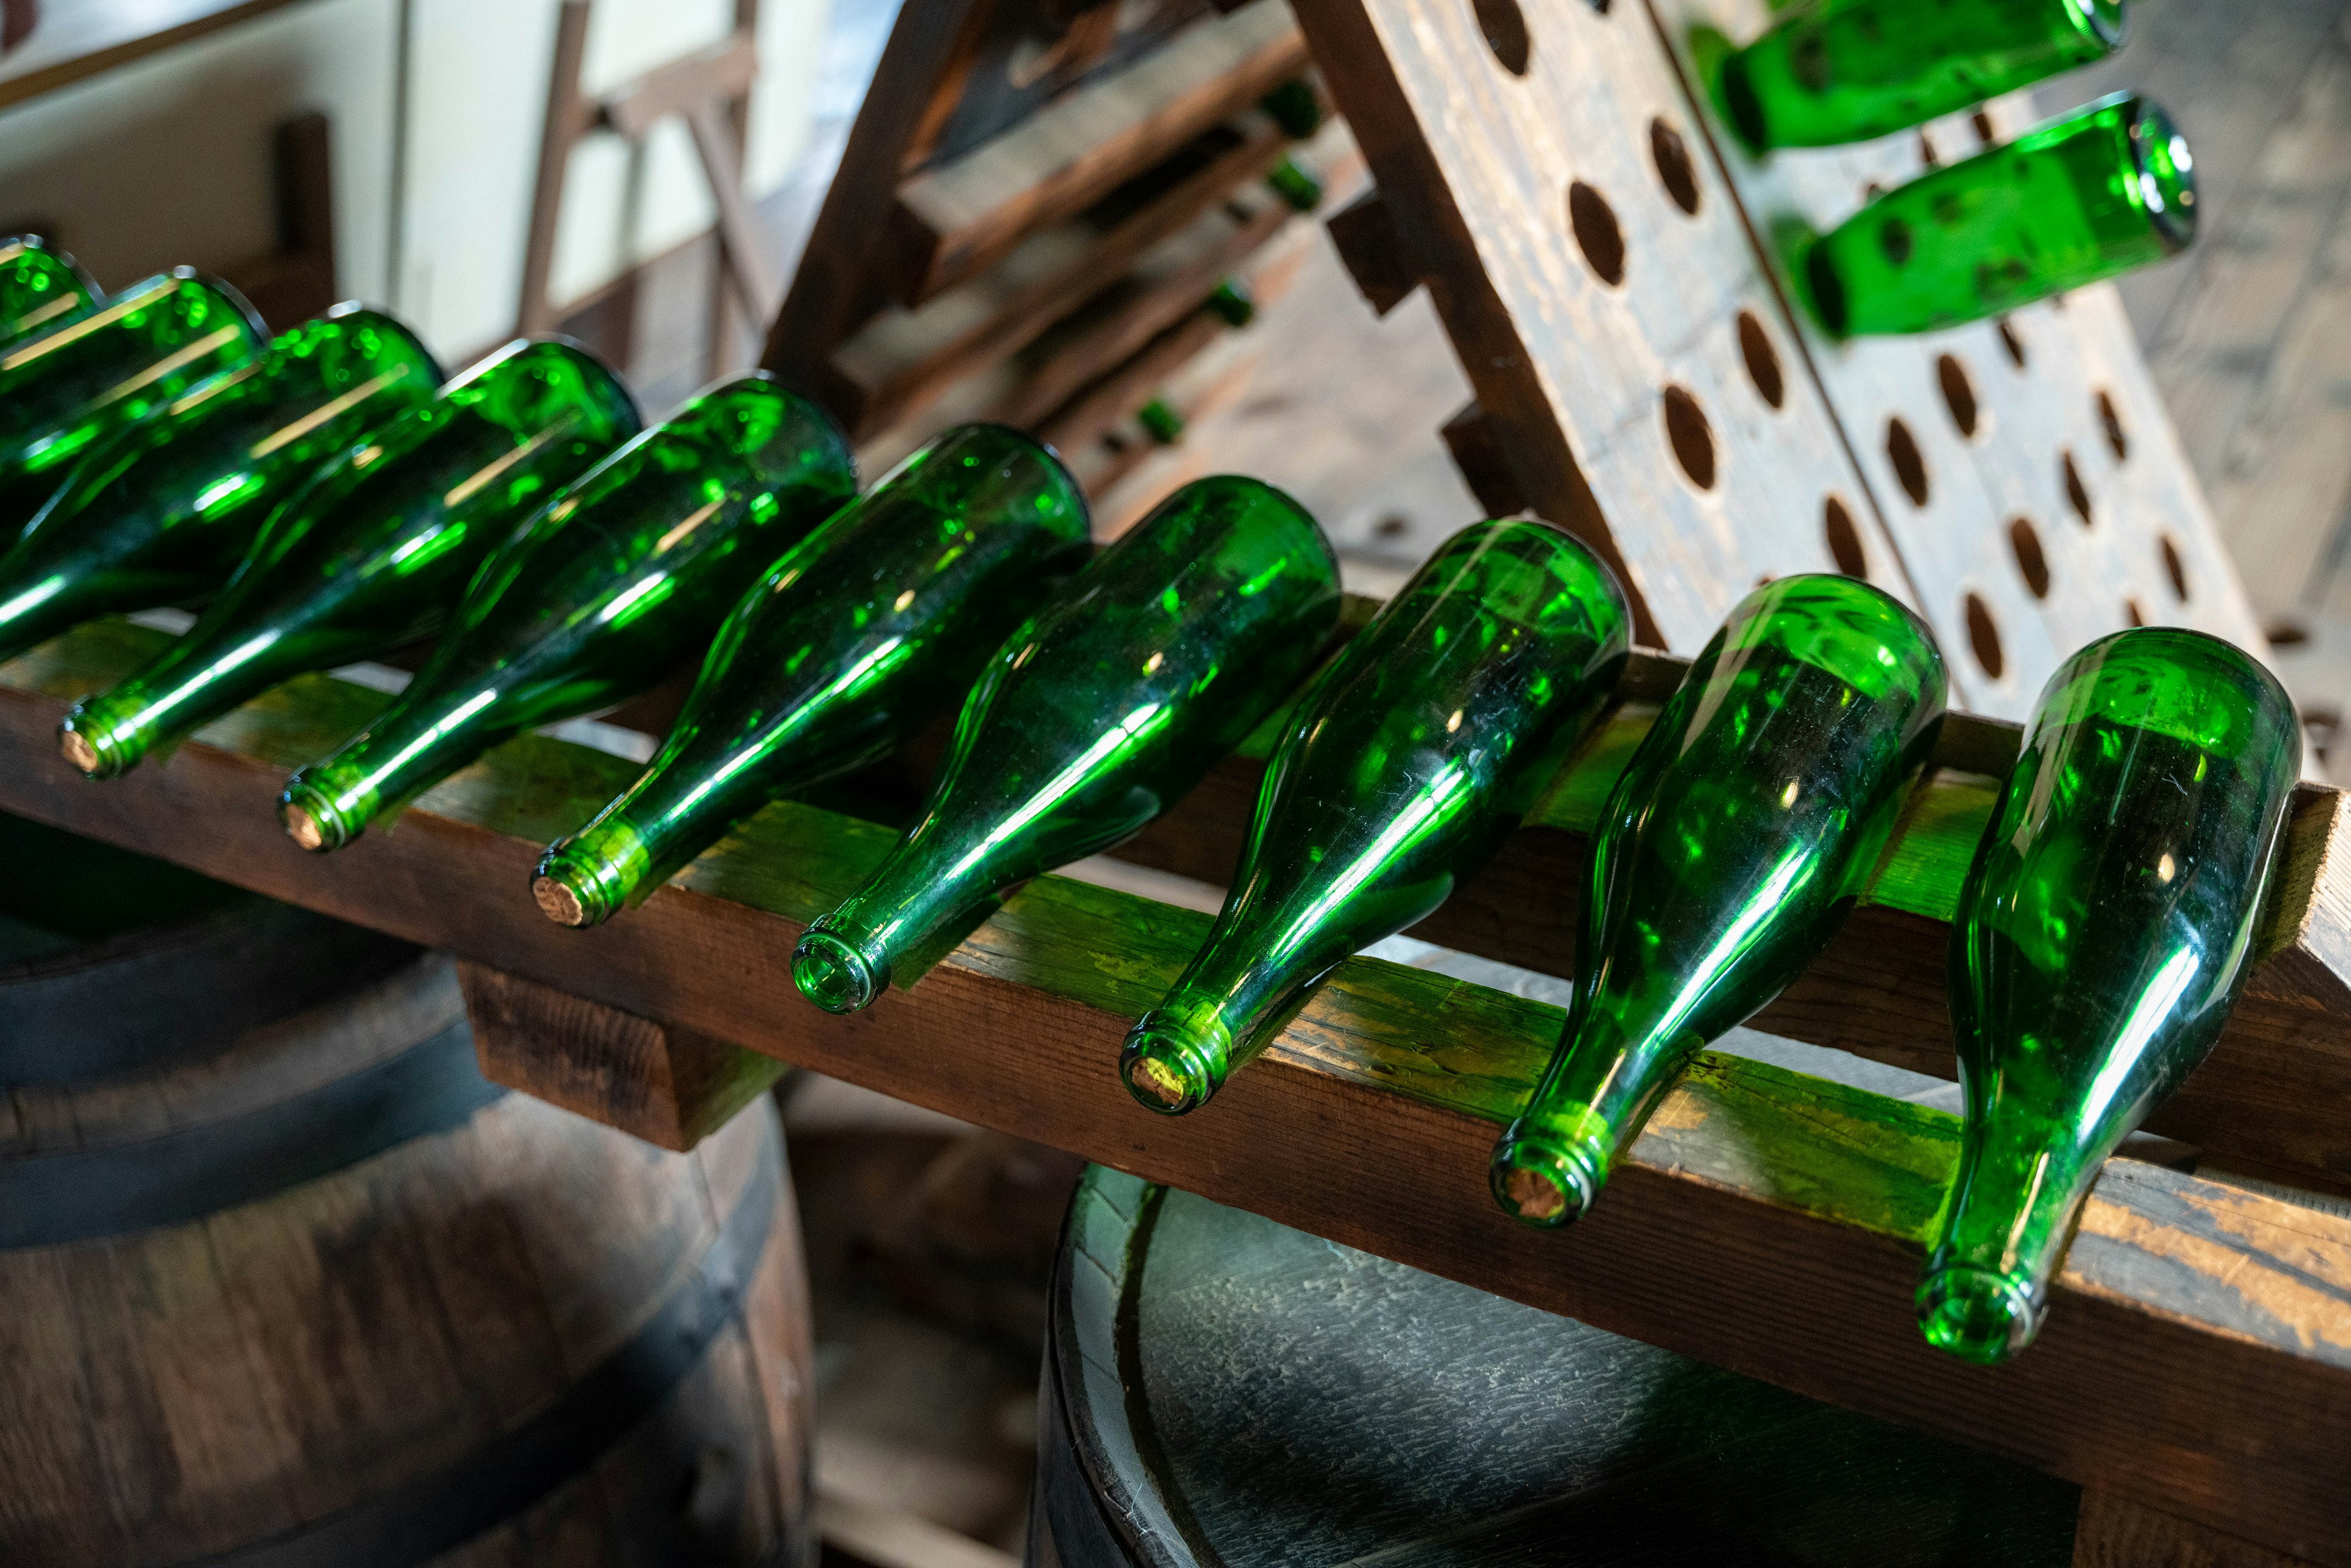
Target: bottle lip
101	750
2107	22
833	972
1976	1314
1543	1183
309	816
1170	1069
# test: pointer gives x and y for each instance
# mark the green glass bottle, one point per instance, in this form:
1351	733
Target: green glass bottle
41	288
607	591
1847	72
63	389
1402	769
1749	819
876	621
2105	928
161	513
1105	707
375	550
2098	193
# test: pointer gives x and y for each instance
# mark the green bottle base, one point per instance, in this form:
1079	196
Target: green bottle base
1543	1184
833	973
1170	1069
1977	1315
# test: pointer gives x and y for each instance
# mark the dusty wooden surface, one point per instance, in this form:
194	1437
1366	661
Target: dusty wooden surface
957	216
2197	1355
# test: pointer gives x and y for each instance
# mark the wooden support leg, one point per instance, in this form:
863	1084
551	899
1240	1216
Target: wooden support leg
667	1085
2116	1532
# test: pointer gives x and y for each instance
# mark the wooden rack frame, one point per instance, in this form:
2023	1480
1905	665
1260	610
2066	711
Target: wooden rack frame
2196	1368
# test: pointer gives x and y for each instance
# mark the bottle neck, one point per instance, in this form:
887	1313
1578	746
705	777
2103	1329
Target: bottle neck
106	736
2019	1191
909	914
1592	1102
1227	1007
406	751
677	808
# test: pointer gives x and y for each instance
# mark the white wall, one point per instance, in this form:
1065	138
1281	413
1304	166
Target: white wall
167	161
478	75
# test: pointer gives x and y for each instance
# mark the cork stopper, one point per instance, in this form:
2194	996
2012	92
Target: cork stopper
78	750
557	903
1534	1194
303	828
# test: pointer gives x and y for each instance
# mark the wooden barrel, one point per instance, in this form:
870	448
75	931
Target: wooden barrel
285	1284
1222	1390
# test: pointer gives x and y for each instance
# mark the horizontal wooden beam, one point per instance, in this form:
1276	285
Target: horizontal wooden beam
956	217
2197	1354
903	358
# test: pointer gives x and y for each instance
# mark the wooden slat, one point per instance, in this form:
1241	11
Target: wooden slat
901	358
1484	462
661	1083
2116	1532
956	217
1364	234
2197	1354
1167	284
78	39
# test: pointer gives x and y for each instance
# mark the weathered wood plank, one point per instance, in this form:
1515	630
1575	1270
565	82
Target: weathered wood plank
1365	237
2115	1533
2198	1352
663	1083
903	358
957	216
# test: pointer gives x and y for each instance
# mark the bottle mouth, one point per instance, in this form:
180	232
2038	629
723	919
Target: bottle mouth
99	749
312	821
2166	171
1167	1069
2105	20
1542	1184
568	892
1976	1314
830	972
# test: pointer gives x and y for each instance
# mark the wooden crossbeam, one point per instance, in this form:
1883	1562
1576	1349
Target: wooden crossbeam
954	218
903	358
2196	1358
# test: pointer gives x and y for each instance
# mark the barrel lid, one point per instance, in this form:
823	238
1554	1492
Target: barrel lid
1237	1392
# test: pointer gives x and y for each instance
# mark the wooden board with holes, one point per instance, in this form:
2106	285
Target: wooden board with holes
2025	467
1623	336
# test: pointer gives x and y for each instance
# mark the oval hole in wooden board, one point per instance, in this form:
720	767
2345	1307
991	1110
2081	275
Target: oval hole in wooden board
2077	495
1843	540
1909	462
1505	27
1674	171
1597	235
2011	342
2112	419
1690	436
2030	560
1763	360
1983	636
1959	394
2173	567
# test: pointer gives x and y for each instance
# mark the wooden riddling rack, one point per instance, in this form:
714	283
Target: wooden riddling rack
1611	267
2195	1373
1034	205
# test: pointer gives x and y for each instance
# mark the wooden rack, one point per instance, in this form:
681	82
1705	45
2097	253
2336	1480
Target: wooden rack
1033	206
2197	1359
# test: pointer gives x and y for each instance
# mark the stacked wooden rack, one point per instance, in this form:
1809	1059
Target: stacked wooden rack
1033	211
